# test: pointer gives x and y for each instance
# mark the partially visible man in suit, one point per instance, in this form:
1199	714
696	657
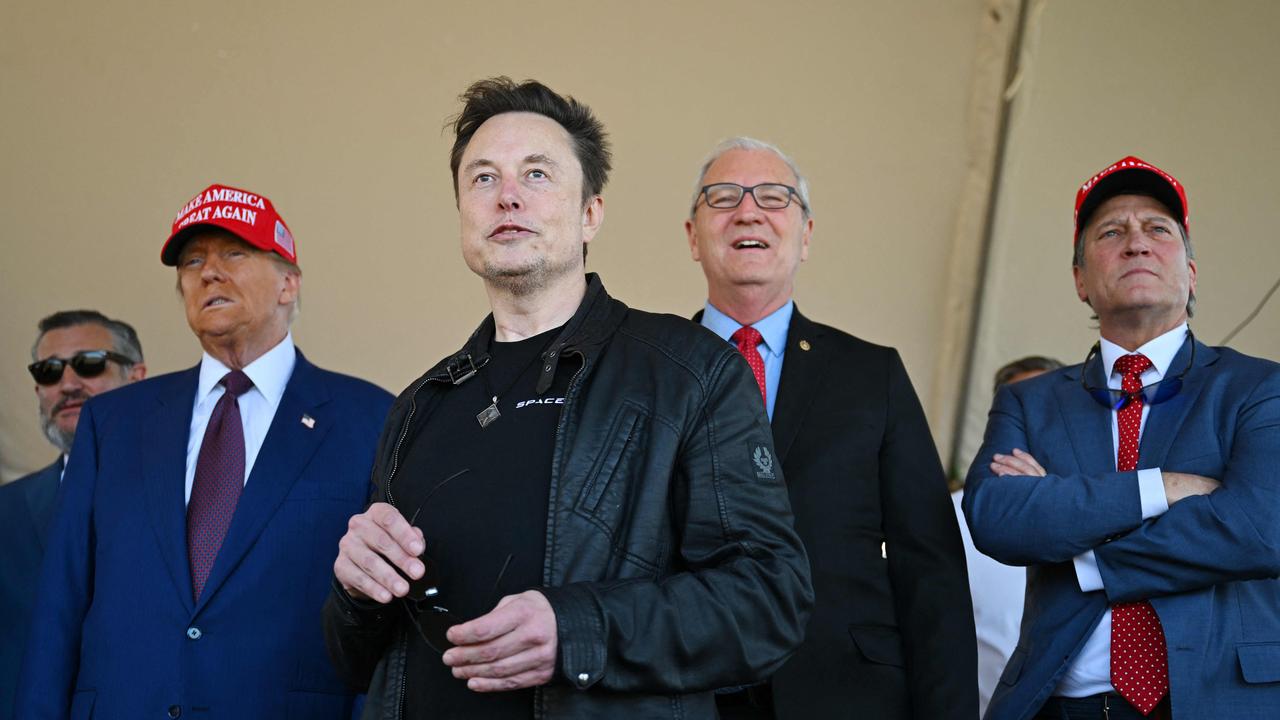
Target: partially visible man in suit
77	354
892	633
996	589
191	549
1139	488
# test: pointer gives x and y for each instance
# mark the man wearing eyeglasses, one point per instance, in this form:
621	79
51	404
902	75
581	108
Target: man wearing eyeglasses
892	632
578	514
189	555
77	354
1139	488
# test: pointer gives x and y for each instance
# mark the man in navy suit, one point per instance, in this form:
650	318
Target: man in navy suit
191	548
1139	488
891	635
77	354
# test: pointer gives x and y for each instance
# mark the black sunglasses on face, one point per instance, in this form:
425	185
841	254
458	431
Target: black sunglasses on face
87	364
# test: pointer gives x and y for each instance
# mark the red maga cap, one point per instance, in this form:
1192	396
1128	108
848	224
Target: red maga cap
1132	175
246	215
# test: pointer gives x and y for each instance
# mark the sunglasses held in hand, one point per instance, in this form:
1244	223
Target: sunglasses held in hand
87	364
423	603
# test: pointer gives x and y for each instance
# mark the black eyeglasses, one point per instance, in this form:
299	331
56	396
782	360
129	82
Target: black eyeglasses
768	196
423	605
1153	393
87	364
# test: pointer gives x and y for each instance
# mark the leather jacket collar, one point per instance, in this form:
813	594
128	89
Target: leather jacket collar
589	328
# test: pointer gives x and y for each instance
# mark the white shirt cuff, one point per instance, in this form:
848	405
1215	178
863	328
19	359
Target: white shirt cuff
1087	571
1151	493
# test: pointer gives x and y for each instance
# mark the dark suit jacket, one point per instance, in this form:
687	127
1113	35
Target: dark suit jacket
888	638
26	506
116	633
1208	565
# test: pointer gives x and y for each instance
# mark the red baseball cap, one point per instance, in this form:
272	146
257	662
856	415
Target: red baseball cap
248	216
1131	175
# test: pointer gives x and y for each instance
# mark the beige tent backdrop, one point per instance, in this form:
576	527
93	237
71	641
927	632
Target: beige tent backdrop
115	114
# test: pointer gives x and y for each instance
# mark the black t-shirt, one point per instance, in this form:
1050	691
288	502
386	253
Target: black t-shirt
491	516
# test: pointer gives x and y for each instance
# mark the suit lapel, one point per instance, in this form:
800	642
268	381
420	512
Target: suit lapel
804	365
164	468
1164	419
1087	422
286	450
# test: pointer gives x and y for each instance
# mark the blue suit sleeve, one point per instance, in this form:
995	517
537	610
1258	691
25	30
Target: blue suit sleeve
1023	520
1230	534
65	589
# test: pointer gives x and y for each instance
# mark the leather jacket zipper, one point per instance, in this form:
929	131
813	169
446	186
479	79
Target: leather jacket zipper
395	465
404	430
404	427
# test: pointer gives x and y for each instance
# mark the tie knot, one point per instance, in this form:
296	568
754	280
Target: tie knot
236	383
1134	364
747	337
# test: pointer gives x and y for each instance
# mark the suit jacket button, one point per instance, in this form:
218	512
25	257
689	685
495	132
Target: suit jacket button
193	633
175	711
583	678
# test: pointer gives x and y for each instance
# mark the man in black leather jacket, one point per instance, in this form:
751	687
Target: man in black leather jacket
620	465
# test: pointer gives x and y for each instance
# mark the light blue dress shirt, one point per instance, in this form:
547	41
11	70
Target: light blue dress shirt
773	328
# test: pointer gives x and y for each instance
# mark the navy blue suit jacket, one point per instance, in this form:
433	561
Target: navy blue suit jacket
26	506
1208	565
116	633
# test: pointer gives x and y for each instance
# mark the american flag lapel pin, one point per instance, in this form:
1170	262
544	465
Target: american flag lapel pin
309	421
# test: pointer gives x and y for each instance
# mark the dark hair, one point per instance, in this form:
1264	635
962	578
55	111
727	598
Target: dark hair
495	96
1031	363
123	336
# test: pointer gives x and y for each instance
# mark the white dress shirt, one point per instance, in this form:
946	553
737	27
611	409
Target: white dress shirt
270	374
1090	673
997	591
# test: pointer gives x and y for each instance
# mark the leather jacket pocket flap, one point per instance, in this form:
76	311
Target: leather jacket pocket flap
1260	663
625	427
878	644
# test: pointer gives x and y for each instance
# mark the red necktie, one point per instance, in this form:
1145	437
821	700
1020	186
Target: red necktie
218	482
1139	659
747	338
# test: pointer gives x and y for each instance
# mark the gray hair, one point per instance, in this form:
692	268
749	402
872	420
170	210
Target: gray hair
124	339
1077	252
742	142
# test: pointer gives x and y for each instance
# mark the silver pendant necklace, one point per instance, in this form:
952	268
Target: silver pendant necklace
490	414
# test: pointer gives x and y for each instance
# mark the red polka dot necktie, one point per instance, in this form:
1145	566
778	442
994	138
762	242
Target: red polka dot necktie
1139	659
218	482
747	338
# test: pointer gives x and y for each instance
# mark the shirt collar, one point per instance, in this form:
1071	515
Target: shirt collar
773	327
1160	350
270	372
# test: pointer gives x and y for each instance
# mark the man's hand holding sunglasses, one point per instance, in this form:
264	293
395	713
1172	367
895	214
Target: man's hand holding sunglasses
375	539
511	647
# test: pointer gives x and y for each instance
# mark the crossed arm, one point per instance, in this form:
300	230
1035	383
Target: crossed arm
1216	529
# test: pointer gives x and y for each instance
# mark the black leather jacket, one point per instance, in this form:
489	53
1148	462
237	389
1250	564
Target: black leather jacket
671	561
